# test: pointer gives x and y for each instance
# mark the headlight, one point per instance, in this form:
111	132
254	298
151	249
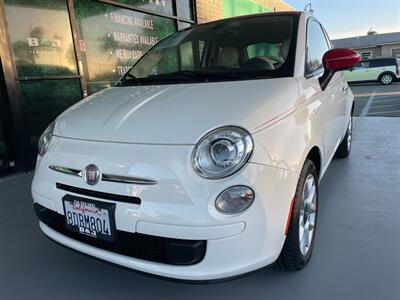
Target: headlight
222	152
45	139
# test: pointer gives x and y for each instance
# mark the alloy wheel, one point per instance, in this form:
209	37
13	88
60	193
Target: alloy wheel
307	216
386	79
349	133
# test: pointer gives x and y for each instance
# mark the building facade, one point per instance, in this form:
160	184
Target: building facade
375	45
53	53
210	10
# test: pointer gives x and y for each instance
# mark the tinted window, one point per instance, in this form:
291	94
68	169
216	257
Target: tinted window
381	63
46	99
114	38
362	65
316	47
41	48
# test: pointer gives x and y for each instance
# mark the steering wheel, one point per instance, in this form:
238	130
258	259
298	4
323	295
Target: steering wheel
277	59
257	63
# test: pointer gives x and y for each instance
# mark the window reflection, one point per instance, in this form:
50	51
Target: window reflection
46	99
41	47
160	6
184	9
113	39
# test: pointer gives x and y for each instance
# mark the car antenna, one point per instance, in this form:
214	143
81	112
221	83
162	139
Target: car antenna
308	8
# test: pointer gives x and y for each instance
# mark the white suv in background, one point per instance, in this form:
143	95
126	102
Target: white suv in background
383	70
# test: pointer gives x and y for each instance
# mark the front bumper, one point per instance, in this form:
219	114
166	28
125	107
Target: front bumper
180	206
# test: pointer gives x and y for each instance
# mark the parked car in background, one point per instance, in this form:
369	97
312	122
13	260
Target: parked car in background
204	161
383	70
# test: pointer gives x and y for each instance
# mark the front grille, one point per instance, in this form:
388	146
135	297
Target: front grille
96	194
137	245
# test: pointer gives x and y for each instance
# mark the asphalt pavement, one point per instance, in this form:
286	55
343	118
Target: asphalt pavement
376	100
356	255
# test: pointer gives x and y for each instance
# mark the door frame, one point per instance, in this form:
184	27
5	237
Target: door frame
14	102
6	125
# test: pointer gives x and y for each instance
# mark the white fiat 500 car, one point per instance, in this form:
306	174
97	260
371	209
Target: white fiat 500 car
203	162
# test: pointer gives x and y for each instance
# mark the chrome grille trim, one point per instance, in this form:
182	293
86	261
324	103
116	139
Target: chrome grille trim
65	170
105	177
126	179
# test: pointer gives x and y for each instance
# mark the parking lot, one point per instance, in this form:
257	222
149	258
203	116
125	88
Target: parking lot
375	100
357	250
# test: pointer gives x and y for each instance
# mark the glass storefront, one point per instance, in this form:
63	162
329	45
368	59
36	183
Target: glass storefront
46	99
43	50
114	38
64	50
40	47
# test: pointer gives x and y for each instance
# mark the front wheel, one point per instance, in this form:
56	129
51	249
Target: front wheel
345	146
386	79
299	242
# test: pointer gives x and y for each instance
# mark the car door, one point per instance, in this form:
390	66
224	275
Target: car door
359	72
375	68
332	101
340	91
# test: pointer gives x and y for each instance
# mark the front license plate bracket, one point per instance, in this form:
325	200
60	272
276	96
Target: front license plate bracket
92	218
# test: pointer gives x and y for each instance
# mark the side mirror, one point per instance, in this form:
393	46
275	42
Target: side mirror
337	60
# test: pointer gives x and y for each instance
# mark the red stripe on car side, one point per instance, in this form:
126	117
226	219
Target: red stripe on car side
282	115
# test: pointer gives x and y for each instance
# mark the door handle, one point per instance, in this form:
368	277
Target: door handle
344	88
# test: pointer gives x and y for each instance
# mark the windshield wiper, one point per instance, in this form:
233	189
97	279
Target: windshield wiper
187	75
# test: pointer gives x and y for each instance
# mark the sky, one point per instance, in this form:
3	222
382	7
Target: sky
347	18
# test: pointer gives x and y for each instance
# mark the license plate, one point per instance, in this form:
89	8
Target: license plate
90	217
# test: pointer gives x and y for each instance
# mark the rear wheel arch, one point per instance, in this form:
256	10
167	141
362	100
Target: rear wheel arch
315	156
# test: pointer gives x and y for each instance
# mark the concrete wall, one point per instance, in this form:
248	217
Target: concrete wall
375	51
378	51
387	49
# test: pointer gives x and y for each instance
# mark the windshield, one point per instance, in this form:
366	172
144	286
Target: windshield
243	48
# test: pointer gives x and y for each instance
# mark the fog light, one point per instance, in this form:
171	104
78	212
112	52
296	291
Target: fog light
234	199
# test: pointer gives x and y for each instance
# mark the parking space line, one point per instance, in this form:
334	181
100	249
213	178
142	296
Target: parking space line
378	94
365	110
378	100
375	106
384	112
386	97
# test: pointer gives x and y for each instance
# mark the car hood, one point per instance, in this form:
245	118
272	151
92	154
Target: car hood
175	114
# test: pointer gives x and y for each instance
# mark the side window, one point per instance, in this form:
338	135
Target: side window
362	65
190	54
381	63
316	47
186	57
375	64
263	49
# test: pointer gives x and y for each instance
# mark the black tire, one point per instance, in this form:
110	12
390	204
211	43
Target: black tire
345	146
291	257
386	78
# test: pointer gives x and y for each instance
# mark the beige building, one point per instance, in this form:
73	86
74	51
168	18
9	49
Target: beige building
375	45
